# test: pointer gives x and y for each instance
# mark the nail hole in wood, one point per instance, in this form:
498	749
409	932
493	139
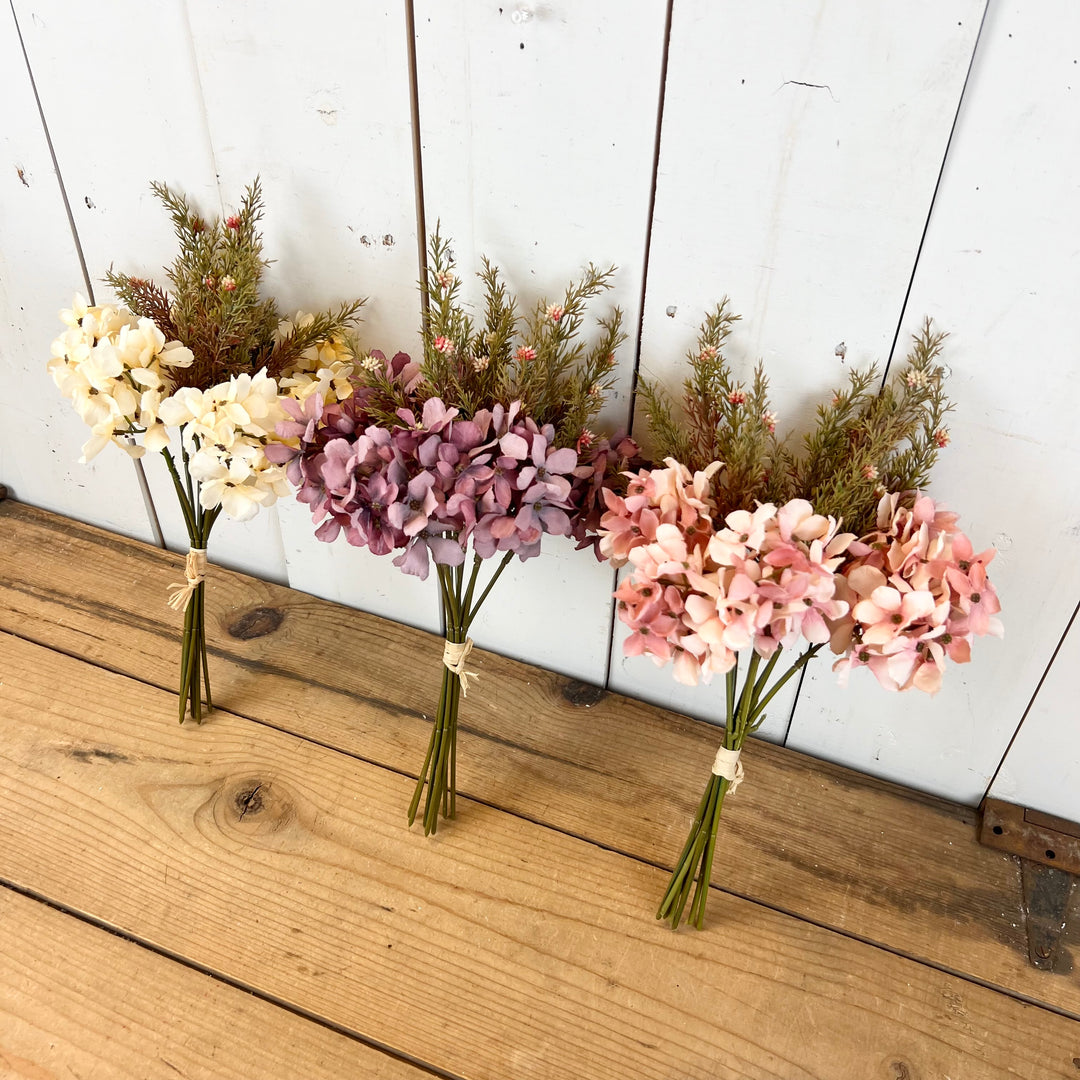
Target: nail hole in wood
1050	854
998	830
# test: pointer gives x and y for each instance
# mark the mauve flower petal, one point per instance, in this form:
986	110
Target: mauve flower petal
561	461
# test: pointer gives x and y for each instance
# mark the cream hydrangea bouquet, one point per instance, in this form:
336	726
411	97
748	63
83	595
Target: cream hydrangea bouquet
200	372
739	562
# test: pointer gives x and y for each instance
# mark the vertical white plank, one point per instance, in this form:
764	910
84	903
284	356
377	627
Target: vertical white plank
157	130
40	434
798	156
538	131
1001	269
329	133
1042	764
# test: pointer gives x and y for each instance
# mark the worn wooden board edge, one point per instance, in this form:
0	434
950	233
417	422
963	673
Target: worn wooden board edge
628	779
531	927
81	1000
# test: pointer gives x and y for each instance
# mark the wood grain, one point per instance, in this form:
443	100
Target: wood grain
504	949
804	837
76	1001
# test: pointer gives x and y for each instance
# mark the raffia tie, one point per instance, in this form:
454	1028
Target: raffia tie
454	655
195	573
728	766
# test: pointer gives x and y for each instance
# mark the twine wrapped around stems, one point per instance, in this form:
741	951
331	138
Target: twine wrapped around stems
195	574
728	766
455	653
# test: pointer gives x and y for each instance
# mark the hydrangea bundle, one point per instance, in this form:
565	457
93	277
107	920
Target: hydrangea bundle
482	445
213	360
745	554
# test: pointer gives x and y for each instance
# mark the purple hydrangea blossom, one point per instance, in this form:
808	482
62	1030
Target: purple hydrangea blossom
436	482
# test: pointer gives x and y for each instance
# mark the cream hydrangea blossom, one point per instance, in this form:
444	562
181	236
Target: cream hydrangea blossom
115	368
324	368
224	430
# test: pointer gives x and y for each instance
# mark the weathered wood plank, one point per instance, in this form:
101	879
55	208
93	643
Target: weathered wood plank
798	157
78	1001
537	151
994	271
815	840
1042	764
503	949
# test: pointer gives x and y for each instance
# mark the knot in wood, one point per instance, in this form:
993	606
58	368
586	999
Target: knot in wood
254	805
583	694
258	622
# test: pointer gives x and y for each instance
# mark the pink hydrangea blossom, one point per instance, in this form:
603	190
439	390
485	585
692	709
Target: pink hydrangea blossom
917	595
764	578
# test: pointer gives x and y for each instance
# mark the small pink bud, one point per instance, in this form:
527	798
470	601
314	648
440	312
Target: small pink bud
228	284
443	345
737	397
555	312
526	352
232	222
941	437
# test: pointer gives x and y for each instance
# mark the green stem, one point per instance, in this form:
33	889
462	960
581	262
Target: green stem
797	666
185	503
439	772
693	870
483	596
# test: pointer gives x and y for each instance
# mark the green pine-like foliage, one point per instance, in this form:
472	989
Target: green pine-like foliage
869	438
214	304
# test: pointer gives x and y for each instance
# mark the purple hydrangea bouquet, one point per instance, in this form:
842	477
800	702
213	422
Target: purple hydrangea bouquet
483	444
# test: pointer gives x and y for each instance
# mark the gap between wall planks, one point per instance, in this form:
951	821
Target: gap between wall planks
40	440
93	1003
993	270
815	840
240	849
798	156
514	168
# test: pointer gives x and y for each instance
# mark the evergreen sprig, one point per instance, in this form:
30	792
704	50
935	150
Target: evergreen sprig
538	359
871	437
214	305
725	420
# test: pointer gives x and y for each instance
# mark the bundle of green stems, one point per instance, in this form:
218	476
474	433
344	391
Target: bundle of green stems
745	714
194	668
439	771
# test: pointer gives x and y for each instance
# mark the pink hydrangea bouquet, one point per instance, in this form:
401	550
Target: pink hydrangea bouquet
738	562
483	445
212	362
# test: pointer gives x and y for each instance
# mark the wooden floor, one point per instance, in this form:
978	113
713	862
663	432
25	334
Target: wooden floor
244	899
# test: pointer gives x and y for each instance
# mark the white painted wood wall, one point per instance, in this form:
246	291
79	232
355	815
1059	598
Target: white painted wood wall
838	171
